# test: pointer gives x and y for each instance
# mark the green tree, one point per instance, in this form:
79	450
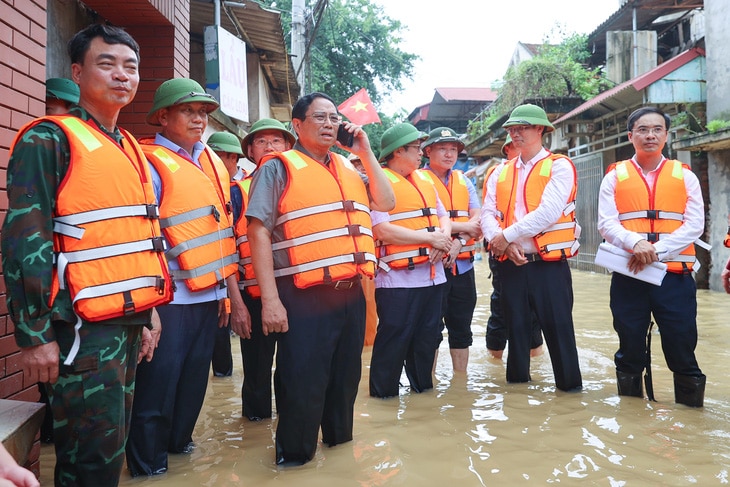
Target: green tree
355	46
556	71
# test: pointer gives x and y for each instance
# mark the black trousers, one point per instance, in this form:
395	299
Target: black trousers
545	289
222	359
257	353
497	331
171	388
459	300
408	334
674	307
318	368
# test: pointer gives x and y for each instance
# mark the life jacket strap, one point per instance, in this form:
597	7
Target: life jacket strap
189	215
405	215
68	225
205	268
211	237
355	258
350	230
347	205
651	215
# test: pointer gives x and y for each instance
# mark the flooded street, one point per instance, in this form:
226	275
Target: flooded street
477	430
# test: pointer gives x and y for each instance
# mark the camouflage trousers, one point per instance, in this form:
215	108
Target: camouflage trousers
92	402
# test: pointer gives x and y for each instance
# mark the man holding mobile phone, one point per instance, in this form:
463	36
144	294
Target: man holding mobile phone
311	242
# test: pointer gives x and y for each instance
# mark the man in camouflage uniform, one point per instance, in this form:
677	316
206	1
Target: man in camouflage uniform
91	397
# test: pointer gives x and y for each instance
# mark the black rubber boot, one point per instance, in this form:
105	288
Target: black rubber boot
689	390
629	384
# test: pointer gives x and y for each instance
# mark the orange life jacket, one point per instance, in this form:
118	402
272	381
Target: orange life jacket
487	174
415	209
107	241
455	198
324	217
247	279
657	212
557	242
195	216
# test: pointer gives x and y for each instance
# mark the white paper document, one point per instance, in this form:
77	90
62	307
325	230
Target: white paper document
617	260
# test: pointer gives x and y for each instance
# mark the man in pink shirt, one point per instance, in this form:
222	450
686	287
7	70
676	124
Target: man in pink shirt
529	220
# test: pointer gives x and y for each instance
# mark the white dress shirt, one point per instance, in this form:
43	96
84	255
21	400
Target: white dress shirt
668	247
527	225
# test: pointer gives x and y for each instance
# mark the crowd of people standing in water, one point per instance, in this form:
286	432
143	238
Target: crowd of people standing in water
128	261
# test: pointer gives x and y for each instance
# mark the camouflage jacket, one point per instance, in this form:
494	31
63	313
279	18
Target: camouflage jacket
37	166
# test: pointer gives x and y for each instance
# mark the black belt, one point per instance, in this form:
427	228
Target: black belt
343	285
533	257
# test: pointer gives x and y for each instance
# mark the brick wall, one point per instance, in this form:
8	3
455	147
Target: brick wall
22	98
161	27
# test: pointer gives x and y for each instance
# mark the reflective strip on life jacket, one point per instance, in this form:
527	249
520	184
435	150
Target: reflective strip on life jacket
352	230
651	215
359	258
318	209
68	224
412	214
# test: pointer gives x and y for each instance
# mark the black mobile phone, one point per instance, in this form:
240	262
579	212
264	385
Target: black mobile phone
344	137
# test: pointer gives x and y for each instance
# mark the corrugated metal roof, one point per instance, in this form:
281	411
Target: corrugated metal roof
467	94
262	31
638	83
622	20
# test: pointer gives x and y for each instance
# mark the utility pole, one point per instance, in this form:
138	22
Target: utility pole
298	43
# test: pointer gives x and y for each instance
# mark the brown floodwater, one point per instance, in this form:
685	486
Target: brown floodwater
476	430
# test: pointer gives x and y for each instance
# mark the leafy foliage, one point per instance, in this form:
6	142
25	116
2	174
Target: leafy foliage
355	46
556	71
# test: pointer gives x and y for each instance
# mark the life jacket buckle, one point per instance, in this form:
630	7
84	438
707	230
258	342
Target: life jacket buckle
153	211
158	244
160	285
354	230
652	214
359	258
348	205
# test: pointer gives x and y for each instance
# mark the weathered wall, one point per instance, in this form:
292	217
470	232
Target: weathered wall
717	18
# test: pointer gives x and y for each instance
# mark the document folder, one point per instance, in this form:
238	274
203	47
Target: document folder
617	260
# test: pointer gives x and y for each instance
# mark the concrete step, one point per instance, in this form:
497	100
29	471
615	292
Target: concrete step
19	425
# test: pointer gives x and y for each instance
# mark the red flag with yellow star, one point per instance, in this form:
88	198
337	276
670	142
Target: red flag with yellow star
359	109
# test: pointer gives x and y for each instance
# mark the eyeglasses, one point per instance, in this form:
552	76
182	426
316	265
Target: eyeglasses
320	118
644	131
517	129
413	146
263	143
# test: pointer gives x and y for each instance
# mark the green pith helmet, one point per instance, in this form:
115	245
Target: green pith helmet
63	89
266	124
443	134
176	91
529	115
225	142
397	136
507	142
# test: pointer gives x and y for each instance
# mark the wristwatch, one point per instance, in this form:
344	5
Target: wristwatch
462	240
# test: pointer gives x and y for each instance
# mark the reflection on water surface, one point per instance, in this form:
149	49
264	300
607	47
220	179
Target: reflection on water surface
477	430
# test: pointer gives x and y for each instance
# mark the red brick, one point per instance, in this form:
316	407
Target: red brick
29	394
11	385
29	47
7	344
15	20
15	59
12	362
6	135
30	9
32	87
11	99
